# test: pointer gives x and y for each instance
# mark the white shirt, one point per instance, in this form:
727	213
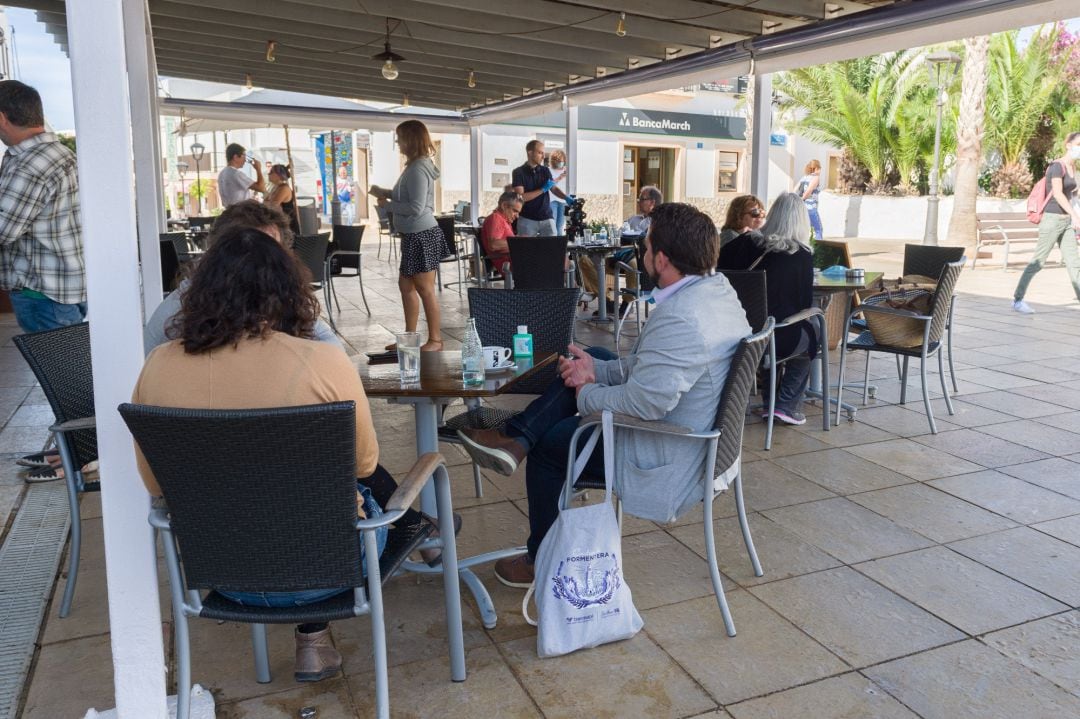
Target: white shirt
637	225
233	185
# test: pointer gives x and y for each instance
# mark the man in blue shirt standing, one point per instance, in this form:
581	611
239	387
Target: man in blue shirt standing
533	181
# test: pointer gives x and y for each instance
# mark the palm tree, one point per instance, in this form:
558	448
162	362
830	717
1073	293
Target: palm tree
1020	88
853	105
969	137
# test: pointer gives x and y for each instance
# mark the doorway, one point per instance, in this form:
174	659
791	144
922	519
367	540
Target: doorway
642	166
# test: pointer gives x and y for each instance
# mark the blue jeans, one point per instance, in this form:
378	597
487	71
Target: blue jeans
535	228
547	425
793	378
37	314
559	210
815	222
313	596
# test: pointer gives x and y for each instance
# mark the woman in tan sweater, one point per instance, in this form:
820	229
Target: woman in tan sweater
242	341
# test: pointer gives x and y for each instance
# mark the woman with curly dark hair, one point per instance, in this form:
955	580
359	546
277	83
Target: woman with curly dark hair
242	341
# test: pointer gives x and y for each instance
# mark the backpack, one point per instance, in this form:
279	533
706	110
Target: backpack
1038	199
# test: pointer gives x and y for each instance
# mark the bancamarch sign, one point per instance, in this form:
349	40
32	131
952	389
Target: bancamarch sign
652	122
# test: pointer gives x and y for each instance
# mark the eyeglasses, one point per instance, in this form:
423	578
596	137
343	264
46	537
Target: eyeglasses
756	213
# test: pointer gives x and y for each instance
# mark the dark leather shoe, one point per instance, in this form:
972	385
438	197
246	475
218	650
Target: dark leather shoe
492	449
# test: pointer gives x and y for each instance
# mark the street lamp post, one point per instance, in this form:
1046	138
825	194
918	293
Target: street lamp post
197	152
943	67
182	167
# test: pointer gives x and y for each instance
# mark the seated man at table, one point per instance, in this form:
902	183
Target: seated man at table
648	199
675	373
248	213
497	227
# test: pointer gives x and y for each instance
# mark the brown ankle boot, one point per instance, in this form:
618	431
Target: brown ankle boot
316	657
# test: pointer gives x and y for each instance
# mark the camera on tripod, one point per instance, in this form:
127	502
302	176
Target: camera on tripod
575	219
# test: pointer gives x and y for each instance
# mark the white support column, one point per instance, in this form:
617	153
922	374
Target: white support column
107	195
476	172
149	198
571	148
759	159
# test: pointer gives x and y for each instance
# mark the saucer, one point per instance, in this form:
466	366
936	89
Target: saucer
505	366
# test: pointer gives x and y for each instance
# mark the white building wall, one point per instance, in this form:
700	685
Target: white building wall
384	170
598	166
701	171
454	166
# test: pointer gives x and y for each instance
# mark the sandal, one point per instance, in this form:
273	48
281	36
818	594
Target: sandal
433	555
44	474
38	459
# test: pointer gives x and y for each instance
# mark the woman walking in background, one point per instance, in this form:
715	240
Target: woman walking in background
412	204
1059	218
809	190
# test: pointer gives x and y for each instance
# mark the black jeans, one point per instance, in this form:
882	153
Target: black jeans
548	424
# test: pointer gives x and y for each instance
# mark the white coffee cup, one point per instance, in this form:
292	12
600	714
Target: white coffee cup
496	356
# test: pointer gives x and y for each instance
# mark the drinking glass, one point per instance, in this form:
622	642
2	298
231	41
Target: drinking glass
408	356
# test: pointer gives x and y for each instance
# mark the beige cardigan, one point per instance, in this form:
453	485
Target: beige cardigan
279	371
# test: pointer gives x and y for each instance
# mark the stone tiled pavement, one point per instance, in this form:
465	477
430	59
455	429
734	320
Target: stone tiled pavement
907	574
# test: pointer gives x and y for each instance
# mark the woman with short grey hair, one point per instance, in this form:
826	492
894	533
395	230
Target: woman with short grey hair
781	248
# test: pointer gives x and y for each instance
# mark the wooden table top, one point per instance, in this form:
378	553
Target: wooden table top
842	284
440	376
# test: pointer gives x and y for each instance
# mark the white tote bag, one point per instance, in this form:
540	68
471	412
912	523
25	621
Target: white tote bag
581	595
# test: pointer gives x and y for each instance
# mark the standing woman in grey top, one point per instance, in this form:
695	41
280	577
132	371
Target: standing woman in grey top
412	206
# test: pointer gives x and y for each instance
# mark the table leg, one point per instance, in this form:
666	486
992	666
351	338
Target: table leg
601	280
426	418
451	588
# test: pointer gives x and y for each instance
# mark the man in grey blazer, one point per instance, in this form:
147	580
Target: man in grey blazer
675	373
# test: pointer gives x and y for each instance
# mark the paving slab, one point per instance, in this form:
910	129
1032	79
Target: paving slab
842	472
1057	474
913	459
1045	646
1033	558
767	485
1036	435
783	656
1014	498
972	681
844	697
981	448
855	618
931	512
963	592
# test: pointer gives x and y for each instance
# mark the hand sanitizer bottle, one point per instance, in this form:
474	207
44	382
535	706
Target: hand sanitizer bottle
472	357
523	342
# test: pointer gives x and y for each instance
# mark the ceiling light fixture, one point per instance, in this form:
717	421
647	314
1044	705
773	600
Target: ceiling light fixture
620	28
405	100
389	57
472	79
271	48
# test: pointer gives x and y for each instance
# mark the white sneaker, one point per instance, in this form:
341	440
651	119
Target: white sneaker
1023	307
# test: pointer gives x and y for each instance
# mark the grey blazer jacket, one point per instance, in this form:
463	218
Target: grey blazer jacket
675	372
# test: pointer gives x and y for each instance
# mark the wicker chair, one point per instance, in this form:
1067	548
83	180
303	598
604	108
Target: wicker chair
247	525
451	252
751	286
549	314
346	248
934	325
723	458
929	262
60	360
540	262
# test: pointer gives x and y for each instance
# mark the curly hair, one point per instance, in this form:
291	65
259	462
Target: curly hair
246	286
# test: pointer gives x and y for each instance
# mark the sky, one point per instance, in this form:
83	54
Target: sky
44	65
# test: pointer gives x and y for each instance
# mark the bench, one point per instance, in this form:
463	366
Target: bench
1003	228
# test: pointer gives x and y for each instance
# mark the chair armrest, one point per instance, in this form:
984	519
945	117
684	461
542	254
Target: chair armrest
159	519
75	424
648	425
799	317
409	487
880	309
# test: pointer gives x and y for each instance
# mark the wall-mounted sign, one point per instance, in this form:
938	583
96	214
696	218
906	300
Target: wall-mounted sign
778	139
652	122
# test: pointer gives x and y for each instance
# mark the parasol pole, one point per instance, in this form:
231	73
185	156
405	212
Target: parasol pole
292	176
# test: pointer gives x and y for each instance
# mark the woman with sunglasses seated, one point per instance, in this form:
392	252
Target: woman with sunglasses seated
781	248
745	213
242	341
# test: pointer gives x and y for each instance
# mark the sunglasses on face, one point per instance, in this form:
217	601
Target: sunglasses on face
756	213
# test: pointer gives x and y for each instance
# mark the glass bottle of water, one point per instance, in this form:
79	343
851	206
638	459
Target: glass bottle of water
603	234
472	356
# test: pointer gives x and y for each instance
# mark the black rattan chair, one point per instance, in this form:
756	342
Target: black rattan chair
751	287
170	265
346	248
539	262
185	252
311	251
723	463
934	326
549	315
451	251
60	360
284	521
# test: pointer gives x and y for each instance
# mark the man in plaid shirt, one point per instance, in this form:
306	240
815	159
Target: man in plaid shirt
41	255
